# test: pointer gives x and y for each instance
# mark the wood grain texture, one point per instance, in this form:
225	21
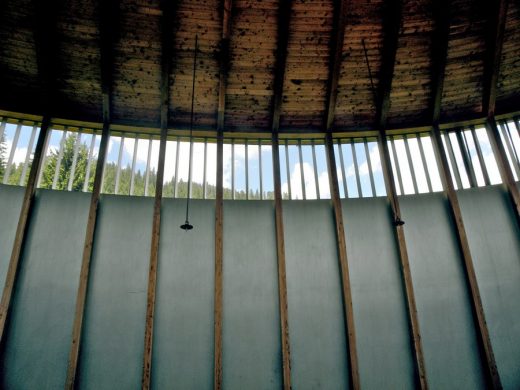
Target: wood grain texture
81	296
496	28
108	20
489	362
251	46
411	307
391	29
168	14
282	277
343	264
219	254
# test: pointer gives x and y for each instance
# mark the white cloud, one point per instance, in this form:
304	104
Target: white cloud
310	184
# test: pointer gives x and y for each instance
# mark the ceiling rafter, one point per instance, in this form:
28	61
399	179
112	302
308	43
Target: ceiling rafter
392	19
168	9
109	28
224	62
284	21
46	38
440	40
336	54
496	28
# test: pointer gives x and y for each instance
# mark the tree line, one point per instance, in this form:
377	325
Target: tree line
48	175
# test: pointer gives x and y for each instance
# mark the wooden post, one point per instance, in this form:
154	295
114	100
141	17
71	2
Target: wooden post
476	302
167	12
85	262
343	263
21	229
503	165
282	277
413	321
152	272
217	385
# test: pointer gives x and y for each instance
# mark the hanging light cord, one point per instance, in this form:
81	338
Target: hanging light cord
369	72
187	225
398	221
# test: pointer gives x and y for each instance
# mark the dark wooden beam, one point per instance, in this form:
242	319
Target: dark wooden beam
476	302
392	19
440	40
109	22
391	25
336	56
21	229
284	20
343	264
219	205
167	17
496	27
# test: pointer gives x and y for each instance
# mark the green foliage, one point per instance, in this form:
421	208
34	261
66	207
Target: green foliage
110	173
65	168
3	150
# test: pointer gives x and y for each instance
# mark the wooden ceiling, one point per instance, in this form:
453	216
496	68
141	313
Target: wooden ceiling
269	65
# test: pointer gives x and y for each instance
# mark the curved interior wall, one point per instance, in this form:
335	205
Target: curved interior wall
39	330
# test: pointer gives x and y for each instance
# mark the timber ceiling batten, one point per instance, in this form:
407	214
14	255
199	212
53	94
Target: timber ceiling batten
250	80
204	20
462	92
251	73
307	69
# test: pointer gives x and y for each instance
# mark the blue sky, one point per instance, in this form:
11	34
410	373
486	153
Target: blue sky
295	167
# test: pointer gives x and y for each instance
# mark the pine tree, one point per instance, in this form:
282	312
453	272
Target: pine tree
3	150
66	167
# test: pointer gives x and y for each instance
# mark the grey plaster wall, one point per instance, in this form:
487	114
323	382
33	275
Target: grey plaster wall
183	332
449	339
11	198
251	325
40	328
384	349
317	330
494	239
112	348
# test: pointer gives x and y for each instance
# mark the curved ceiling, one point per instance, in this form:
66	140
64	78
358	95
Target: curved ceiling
63	56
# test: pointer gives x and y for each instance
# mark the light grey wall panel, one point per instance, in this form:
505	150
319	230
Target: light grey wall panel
39	333
111	355
251	324
494	239
183	332
449	339
382	332
316	324
11	198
